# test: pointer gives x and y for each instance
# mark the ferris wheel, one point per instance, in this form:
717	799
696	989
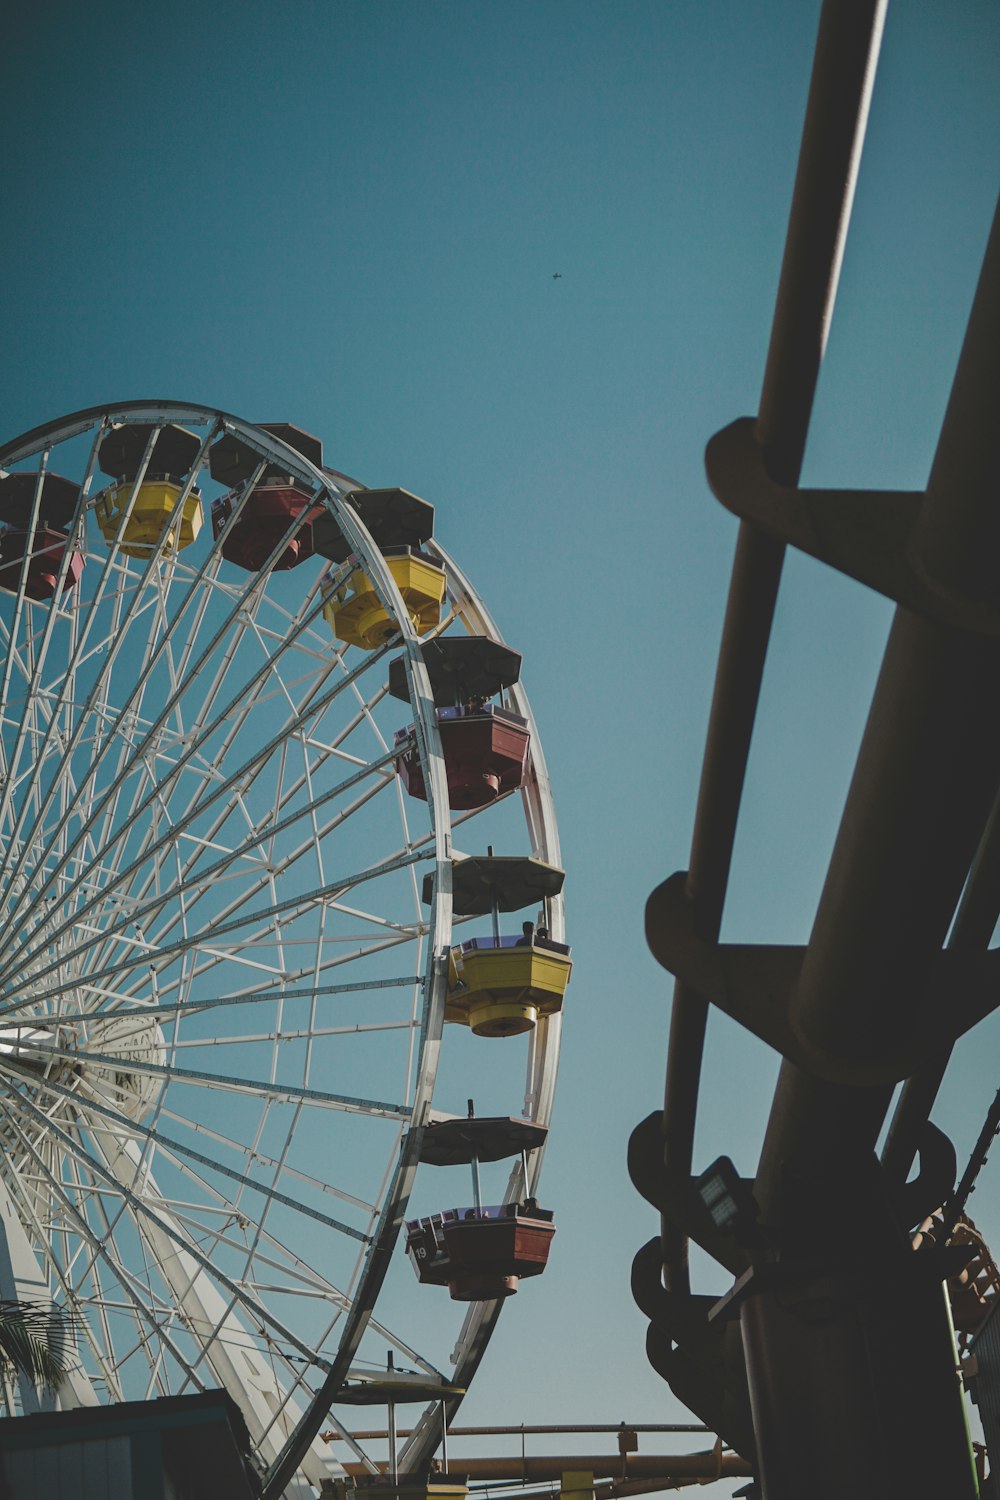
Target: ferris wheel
259	739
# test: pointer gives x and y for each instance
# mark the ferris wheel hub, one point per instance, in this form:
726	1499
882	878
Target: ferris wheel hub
69	1055
131	1040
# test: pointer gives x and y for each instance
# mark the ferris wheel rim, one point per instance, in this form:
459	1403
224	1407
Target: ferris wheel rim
543	1064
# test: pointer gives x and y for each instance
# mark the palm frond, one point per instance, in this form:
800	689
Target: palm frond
36	1340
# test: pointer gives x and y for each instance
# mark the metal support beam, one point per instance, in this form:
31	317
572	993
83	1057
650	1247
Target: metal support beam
758	985
679	1466
923	790
857	1435
847	47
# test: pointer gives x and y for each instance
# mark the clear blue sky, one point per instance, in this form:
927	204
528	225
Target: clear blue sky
348	215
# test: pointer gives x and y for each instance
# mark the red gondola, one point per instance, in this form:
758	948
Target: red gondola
485	754
481	1253
44	554
266	515
271	507
485	746
52	500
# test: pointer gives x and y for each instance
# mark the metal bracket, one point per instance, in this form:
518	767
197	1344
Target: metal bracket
866	534
755	985
703	1364
676	1198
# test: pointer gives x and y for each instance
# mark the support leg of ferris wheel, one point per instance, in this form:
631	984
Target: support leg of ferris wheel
21	1280
270	1414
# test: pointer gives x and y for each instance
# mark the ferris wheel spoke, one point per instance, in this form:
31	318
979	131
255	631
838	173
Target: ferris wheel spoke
320	1185
221	790
194	886
147	1209
312	709
325	905
303	1034
12	753
108	571
368	951
292	906
371	917
157	1137
15	664
125	998
97	706
292	1379
281	1169
145	1309
100	1243
253	764
200	732
33	1203
19	606
322	1290
209	573
300	1279
249	1087
188	892
113	567
270	661
165	1010
201	844
259	1225
136	745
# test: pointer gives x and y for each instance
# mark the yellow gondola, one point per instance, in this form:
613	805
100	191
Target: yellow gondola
153	511
499	987
356	615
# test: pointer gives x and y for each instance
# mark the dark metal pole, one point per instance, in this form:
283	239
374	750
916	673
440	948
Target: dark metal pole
836	115
959	559
706	1466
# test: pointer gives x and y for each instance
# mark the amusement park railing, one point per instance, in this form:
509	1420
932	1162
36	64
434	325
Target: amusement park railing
874	998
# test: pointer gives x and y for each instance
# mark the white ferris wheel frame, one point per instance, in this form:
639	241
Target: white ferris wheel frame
290	1452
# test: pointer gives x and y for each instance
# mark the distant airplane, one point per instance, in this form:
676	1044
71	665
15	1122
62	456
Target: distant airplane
557	276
